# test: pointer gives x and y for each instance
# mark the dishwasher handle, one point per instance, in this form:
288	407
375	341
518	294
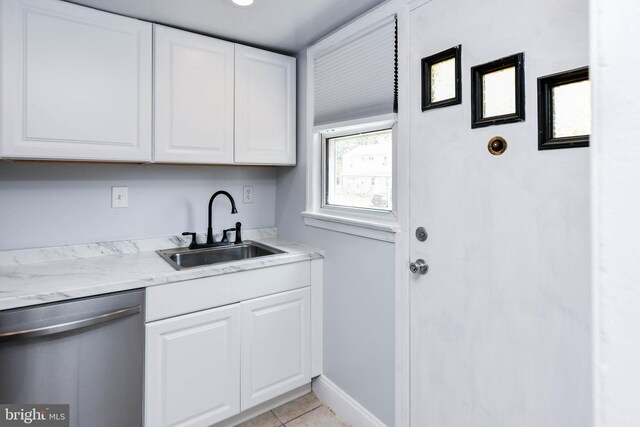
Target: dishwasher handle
70	326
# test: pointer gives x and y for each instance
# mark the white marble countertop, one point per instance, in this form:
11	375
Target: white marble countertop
30	277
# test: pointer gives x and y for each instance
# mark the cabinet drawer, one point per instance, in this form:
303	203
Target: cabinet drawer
200	294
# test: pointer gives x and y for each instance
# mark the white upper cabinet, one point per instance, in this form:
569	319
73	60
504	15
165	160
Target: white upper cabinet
265	120
194	97
76	83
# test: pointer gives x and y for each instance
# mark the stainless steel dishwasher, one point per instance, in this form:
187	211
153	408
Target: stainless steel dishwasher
88	353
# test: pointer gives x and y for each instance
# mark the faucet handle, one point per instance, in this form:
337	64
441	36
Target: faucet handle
238	231
193	239
225	238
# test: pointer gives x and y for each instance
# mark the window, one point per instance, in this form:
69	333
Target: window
353	85
498	96
497	92
364	183
564	110
441	82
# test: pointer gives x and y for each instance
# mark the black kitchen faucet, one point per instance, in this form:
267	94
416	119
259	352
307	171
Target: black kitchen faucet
225	239
233	211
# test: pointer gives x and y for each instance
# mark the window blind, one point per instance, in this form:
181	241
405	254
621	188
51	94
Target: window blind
358	78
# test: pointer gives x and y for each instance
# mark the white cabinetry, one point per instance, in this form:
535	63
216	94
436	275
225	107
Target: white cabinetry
220	103
205	364
193	368
265	119
194	97
76	83
276	345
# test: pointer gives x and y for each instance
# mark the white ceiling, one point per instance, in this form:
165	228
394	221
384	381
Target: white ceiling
283	25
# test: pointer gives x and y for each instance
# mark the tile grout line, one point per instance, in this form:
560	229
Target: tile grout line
277	418
304	413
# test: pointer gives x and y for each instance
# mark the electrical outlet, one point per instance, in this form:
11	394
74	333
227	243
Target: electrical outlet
119	197
247	194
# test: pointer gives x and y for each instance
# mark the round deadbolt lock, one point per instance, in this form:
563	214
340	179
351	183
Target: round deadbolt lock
421	234
497	145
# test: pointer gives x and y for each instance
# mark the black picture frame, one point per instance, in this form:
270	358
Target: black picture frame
478	71
546	141
426	64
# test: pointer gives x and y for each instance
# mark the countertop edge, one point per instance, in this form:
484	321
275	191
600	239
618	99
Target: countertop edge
295	252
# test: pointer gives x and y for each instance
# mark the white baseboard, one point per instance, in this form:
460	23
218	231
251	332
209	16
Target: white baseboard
343	404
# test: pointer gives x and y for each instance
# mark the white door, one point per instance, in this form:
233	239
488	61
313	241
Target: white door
193	368
76	83
500	323
265	127
194	92
276	345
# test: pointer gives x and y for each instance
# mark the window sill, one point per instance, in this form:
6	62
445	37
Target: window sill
371	229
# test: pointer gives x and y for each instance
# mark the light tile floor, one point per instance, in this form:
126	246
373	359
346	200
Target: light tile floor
305	411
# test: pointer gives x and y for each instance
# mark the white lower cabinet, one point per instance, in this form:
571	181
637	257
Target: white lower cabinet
204	367
193	368
276	345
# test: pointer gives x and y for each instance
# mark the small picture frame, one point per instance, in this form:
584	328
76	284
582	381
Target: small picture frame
497	92
441	79
564	110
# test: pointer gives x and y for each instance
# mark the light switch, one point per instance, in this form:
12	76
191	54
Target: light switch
119	197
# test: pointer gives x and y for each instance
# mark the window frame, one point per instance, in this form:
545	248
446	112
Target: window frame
369	223
478	72
546	141
426	64
359	212
351	131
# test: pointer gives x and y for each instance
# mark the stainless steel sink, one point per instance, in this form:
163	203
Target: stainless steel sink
182	258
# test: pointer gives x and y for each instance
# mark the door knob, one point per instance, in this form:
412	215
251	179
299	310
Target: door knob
419	267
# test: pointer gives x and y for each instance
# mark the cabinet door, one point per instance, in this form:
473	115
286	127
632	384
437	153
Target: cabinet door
194	97
76	83
276	345
265	107
193	368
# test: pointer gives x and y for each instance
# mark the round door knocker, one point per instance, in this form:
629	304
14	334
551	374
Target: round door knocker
497	145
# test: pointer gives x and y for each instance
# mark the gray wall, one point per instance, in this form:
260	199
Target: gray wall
49	204
359	296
